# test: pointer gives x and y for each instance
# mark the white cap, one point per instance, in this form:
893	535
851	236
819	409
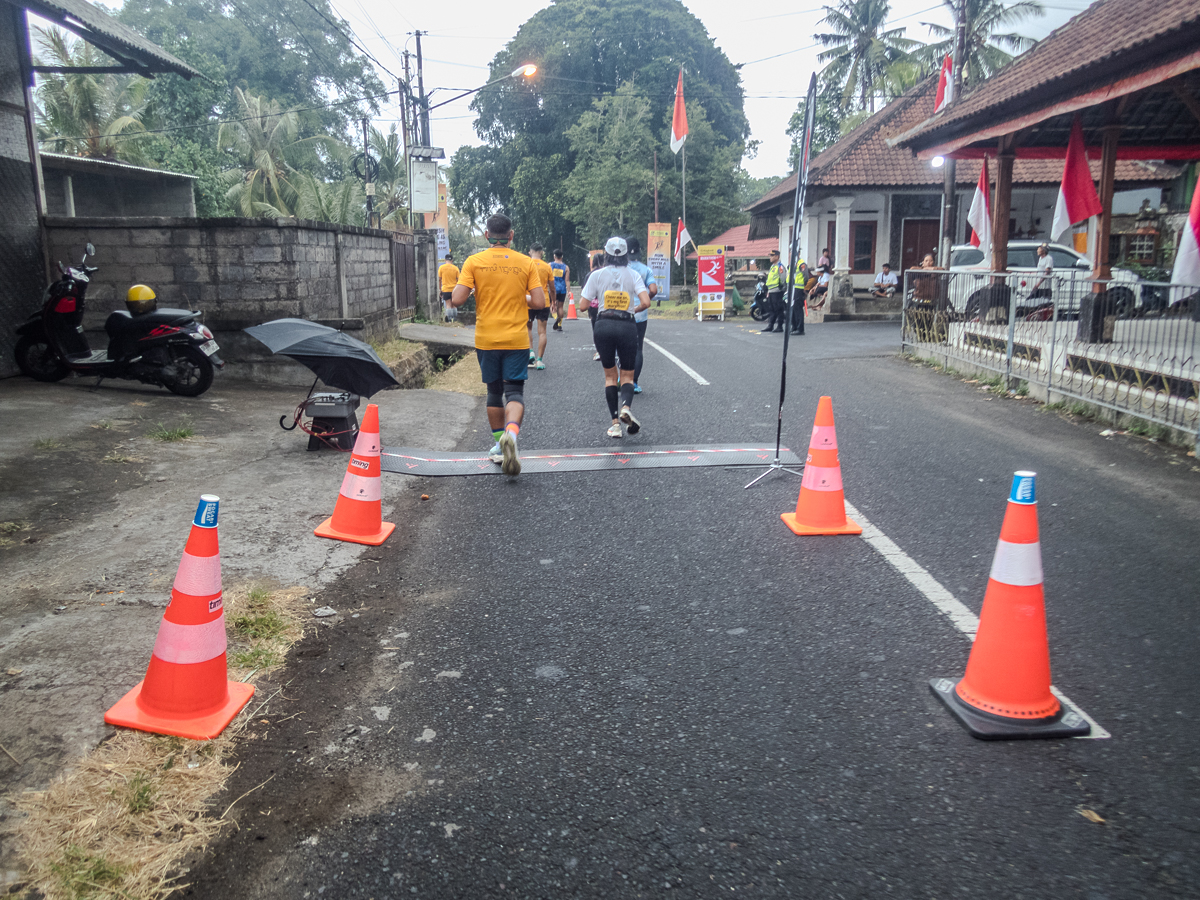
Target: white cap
616	246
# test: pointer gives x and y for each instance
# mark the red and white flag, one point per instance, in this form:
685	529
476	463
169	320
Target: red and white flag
682	238
1187	260
679	119
945	90
1077	199
979	217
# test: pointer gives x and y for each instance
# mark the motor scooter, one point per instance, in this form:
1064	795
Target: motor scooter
758	306
165	347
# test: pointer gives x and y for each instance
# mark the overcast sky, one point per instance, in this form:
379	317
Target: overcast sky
464	35
774	44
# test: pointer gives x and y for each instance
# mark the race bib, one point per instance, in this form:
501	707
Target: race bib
616	300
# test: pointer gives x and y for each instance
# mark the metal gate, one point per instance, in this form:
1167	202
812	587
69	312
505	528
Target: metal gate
404	268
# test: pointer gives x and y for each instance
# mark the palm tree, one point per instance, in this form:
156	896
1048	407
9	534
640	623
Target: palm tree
860	50
987	49
87	114
270	154
342	203
391	183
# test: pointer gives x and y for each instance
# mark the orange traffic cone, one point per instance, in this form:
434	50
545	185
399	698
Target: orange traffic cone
358	515
571	314
186	691
821	507
1006	693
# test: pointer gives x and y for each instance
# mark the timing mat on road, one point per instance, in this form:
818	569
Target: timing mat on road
412	461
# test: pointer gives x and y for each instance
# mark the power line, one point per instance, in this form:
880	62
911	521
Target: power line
353	42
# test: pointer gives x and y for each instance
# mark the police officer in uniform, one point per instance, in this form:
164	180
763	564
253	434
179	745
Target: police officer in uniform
777	276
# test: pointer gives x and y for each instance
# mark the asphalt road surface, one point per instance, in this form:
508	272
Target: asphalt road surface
641	684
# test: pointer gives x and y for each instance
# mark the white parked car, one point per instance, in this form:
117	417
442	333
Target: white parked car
1072	271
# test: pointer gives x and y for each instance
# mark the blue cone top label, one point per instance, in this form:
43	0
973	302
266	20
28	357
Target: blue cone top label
1023	490
206	512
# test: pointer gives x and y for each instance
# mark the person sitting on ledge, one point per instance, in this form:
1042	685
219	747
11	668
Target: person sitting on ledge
886	282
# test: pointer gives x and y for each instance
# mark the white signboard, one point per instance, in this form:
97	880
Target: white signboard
424	186
443	243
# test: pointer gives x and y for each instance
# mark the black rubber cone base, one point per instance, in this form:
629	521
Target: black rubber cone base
987	727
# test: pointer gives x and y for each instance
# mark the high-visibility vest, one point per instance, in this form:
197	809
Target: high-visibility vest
777	278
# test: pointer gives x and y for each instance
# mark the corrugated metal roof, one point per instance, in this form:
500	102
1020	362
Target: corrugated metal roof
103	31
87	162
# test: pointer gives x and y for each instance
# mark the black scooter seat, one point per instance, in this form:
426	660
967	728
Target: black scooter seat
121	322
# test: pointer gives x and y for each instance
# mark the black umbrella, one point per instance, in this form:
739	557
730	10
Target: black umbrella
337	359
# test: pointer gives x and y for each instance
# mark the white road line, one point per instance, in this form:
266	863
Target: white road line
950	606
679	362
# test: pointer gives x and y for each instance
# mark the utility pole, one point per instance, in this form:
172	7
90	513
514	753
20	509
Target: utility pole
405	101
949	190
655	185
368	182
425	139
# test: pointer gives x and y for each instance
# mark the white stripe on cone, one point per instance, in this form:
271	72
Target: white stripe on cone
821	478
1019	565
199	576
824	437
190	644
362	487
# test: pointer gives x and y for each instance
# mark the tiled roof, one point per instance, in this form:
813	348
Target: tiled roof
863	159
1111	38
739	246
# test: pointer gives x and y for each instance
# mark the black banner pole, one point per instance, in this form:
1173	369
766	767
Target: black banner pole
810	104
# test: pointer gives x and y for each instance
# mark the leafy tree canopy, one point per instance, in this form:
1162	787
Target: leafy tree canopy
584	50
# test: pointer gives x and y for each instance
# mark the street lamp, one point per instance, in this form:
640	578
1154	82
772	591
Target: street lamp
528	70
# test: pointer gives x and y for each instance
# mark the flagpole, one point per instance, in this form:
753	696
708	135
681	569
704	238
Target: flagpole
683	150
810	104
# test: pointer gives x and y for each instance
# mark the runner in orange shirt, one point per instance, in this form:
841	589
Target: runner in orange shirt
506	288
448	276
541	316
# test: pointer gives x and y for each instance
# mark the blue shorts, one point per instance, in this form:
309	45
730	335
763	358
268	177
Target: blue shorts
507	365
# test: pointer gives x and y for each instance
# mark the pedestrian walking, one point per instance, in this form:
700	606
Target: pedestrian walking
1045	270
506	287
448	276
619	293
777	276
540	316
641	319
562	287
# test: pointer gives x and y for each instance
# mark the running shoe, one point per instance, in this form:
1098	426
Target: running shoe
532	357
615	431
508	447
595	356
496	455
540	364
631	423
636	388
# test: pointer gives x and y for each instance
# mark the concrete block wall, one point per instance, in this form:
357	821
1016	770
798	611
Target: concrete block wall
239	272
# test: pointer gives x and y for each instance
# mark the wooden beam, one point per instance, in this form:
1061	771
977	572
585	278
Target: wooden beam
1108	178
1002	203
1187	99
1128	151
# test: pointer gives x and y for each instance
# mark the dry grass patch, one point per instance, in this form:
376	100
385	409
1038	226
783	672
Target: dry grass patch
120	823
673	311
462	378
396	350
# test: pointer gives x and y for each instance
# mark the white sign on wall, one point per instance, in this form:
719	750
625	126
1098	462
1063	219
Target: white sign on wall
424	186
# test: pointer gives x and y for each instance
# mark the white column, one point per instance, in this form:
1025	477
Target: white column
809	237
69	196
841	262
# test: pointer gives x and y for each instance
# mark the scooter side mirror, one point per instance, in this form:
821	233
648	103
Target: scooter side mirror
88	250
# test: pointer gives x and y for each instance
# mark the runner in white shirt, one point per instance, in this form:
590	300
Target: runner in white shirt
620	293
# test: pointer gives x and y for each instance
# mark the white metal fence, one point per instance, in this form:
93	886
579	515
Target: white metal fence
1126	346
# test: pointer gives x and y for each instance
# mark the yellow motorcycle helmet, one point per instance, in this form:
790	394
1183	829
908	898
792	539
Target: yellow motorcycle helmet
140	300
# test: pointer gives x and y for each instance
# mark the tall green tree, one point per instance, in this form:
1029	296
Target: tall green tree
826	122
989	45
584	49
612	184
391	183
860	49
96	115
